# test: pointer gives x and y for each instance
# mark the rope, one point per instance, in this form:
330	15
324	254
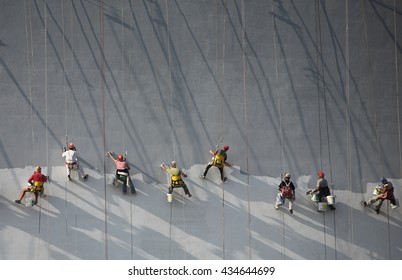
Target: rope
46	122
28	39
372	89
320	71
243	23
125	120
397	88
282	157
122	78
170	80
103	97
64	67
222	86
220	110
348	118
73	114
46	91
374	108
171	117
399	129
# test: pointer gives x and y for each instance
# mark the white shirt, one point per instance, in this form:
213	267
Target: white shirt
70	155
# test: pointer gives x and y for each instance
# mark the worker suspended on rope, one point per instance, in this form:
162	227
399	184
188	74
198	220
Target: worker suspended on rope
122	172
286	191
219	160
176	180
72	162
36	182
322	189
385	191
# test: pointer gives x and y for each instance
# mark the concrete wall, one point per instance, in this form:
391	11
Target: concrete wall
296	86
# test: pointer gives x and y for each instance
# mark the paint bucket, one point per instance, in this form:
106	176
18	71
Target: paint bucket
110	179
29	202
330	199
169	197
377	190
279	199
322	206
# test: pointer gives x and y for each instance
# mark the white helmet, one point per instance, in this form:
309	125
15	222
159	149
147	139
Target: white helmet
287	175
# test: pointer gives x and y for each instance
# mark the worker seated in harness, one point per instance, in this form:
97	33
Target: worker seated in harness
176	178
219	160
71	158
122	172
36	182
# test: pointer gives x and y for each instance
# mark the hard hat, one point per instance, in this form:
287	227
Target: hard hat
173	163
383	180
71	146
226	147
287	175
321	174
120	157
38	169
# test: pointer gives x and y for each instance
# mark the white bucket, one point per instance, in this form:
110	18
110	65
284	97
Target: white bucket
279	199
377	190
322	206
29	202
169	197
330	199
110	179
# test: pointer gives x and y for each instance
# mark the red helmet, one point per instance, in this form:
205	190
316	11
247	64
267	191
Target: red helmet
226	147
71	146
120	157
321	174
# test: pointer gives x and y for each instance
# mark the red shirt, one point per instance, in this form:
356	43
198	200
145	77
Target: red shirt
37	177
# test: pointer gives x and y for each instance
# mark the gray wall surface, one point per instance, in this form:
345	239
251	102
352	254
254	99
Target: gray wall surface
291	86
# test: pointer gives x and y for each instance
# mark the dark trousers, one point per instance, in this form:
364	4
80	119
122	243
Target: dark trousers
126	181
209	166
186	191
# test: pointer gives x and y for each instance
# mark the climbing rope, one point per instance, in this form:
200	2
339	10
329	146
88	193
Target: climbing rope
374	107
122	78
220	50
29	53
221	87
103	100
397	87
282	158
348	118
244	41
321	87
125	116
170	80
372	88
